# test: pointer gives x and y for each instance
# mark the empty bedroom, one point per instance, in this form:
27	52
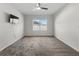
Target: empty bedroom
39	29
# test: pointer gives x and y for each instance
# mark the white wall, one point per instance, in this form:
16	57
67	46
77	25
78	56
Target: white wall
67	26
9	33
28	25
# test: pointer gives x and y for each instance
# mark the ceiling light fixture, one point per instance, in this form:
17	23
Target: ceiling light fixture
38	7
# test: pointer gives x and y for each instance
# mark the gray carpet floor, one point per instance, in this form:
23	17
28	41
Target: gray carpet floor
39	46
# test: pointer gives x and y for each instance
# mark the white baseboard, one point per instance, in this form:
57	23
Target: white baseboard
67	43
7	45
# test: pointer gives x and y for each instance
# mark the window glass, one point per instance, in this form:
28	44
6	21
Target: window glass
40	25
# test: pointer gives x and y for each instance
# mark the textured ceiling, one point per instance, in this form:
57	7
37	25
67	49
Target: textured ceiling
28	8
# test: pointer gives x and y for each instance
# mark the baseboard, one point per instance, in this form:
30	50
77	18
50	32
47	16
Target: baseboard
11	43
67	44
40	36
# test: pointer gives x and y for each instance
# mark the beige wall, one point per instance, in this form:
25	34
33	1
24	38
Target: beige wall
9	33
67	26
28	25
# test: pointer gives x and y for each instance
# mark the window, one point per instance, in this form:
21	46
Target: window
40	25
